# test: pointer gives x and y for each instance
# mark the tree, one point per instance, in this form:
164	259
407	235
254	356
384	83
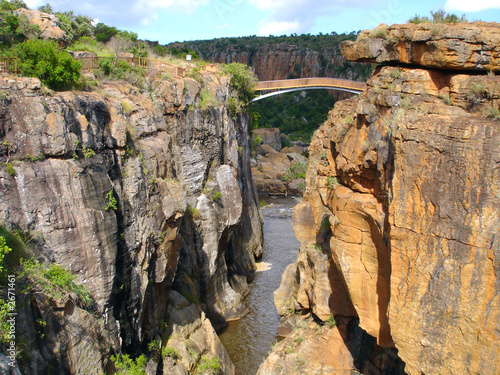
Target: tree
103	33
55	68
47	8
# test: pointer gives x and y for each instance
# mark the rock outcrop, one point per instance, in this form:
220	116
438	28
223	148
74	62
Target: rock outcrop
470	46
399	227
49	24
277	170
144	196
307	56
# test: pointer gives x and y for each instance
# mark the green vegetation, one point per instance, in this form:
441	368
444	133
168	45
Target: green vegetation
10	169
208	365
330	322
111	201
242	84
168	351
297	114
42	59
379	32
88	152
127	366
4	250
332	182
207	100
297	170
54	281
438	17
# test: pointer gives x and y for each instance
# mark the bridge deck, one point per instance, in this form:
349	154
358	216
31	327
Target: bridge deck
310	82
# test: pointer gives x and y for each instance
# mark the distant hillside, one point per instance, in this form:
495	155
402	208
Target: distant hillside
281	57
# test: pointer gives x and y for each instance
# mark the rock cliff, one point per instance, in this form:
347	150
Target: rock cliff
284	57
148	199
399	227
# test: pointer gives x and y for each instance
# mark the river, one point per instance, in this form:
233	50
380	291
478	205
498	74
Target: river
248	341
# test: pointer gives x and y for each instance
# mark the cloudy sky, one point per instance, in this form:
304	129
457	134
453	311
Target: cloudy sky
179	20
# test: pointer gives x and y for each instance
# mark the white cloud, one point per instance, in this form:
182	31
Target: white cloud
298	16
122	12
471	6
279	27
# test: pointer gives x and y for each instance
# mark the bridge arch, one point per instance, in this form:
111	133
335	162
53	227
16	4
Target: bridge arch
289	85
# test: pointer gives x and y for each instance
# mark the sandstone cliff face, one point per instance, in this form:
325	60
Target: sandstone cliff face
399	226
472	46
283	60
186	217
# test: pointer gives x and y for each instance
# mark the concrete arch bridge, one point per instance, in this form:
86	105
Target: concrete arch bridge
288	85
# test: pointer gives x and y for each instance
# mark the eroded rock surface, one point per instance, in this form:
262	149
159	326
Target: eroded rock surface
473	46
185	217
399	226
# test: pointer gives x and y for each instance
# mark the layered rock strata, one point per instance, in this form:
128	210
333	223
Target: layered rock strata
399	227
144	196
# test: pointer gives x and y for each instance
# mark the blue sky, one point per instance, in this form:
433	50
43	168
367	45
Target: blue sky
179	20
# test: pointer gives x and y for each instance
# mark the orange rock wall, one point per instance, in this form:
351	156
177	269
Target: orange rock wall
401	213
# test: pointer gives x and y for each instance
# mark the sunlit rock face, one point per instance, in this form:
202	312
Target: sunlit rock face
139	194
400	226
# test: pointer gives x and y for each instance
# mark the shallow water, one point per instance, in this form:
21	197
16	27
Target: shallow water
249	340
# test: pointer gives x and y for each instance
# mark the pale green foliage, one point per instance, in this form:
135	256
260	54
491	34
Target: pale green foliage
4	250
168	351
54	281
208	365
242	87
330	322
297	170
332	182
438	17
111	201
207	100
127	366
379	32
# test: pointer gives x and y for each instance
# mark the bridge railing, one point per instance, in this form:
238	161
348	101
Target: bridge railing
90	63
309	82
8	64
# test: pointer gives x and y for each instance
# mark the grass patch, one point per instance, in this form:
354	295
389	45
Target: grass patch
54	281
127	366
207	100
208	365
379	32
298	170
332	182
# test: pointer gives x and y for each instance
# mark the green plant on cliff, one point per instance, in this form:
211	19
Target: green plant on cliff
127	366
88	152
332	182
439	16
331	322
43	59
111	204
4	250
207	99
53	281
208	366
379	32
168	351
297	170
10	169
242	82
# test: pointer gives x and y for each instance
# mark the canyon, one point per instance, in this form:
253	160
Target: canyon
147	197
